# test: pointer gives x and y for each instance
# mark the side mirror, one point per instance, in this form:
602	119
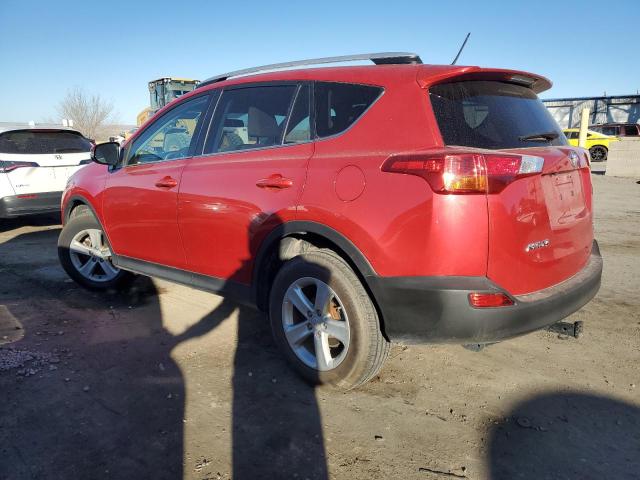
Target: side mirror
106	153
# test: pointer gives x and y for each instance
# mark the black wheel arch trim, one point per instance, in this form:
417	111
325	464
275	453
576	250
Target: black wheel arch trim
303	227
73	202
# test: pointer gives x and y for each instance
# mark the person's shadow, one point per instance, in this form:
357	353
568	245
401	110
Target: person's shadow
112	402
277	429
567	436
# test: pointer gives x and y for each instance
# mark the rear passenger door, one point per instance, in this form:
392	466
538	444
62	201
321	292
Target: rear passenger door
248	178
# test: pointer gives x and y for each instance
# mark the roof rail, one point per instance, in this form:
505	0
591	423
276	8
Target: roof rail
385	58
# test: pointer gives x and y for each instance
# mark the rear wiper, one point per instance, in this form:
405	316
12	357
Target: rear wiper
539	137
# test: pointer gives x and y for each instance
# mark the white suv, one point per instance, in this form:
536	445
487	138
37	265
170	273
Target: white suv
35	164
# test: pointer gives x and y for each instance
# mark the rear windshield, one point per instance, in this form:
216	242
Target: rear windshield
494	115
42	142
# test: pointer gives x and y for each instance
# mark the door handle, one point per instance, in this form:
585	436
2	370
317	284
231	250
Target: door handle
166	182
275	181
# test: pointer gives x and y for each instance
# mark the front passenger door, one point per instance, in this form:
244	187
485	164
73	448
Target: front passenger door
140	198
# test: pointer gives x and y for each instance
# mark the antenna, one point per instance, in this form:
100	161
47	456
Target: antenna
461	48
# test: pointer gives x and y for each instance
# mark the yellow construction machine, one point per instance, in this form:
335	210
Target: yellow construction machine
162	91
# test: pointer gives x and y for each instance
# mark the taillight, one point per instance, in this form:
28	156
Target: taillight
465	172
489	300
6	166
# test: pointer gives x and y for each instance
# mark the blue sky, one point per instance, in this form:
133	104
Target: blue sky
114	47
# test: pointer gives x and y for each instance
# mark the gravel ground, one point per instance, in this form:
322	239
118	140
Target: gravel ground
168	382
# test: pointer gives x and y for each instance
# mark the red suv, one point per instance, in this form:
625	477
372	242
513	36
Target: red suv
357	205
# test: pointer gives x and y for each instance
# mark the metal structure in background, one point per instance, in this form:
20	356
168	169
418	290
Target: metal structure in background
619	109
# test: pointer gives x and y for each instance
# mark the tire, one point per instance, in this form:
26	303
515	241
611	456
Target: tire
598	153
82	229
362	350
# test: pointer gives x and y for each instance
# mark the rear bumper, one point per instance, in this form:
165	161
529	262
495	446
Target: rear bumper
30	204
437	310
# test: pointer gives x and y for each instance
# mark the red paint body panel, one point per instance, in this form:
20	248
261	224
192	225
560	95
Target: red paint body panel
398	223
555	206
224	215
88	184
214	221
142	218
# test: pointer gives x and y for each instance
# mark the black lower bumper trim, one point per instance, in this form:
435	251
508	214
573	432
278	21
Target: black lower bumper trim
30	204
437	310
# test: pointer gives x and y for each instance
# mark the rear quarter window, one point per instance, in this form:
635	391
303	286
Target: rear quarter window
340	105
491	115
30	142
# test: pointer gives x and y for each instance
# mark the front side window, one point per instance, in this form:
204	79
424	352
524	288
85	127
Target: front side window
631	130
249	118
339	105
170	136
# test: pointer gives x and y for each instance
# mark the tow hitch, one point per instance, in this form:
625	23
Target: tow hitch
567	328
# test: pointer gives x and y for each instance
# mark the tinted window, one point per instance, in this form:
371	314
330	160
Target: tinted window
631	130
170	136
299	126
35	142
339	105
492	115
248	118
608	130
572	135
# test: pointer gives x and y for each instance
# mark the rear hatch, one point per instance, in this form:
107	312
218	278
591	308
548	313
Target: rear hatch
37	160
540	220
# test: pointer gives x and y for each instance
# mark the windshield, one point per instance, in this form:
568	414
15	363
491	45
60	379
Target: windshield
37	142
493	115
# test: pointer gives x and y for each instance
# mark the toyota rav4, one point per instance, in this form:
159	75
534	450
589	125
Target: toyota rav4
357	205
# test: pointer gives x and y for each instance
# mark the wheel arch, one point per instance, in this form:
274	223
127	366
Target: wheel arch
74	202
294	238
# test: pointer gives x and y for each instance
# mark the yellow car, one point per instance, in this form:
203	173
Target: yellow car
597	143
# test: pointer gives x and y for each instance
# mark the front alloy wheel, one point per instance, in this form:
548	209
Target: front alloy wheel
91	256
85	254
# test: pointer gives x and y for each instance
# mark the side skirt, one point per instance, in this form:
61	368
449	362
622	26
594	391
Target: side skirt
234	290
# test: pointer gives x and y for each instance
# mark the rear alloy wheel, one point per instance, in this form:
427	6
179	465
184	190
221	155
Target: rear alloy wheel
85	254
315	324
598	153
324	321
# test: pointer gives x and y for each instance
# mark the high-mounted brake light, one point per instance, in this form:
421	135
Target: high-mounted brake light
6	166
465	172
489	300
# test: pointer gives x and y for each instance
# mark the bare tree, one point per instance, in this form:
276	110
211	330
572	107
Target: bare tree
88	112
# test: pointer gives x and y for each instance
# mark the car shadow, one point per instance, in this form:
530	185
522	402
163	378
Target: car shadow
40	220
99	395
567	435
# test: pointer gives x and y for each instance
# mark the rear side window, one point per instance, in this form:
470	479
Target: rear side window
34	142
248	118
608	130
493	115
339	105
572	135
631	130
299	126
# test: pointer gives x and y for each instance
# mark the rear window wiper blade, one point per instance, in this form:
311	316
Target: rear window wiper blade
539	137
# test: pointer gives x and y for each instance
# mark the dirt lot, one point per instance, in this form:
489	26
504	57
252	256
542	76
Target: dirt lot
168	382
